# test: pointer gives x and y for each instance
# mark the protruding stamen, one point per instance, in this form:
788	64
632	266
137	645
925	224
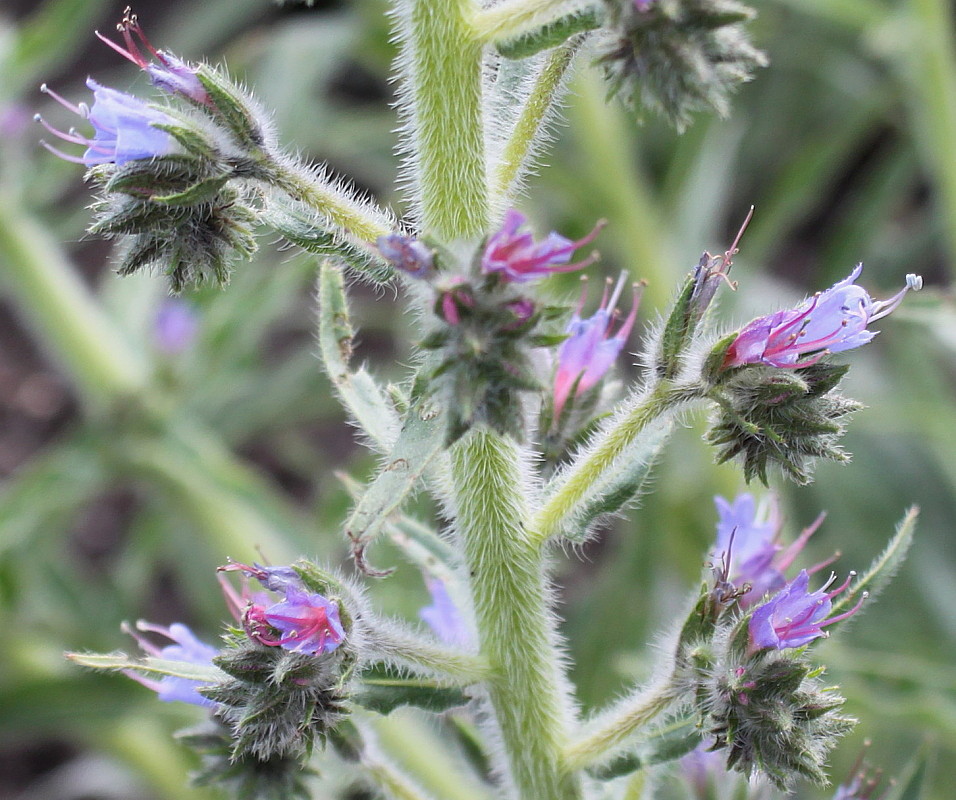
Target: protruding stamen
82	109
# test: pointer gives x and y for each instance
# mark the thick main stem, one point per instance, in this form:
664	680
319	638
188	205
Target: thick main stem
527	689
442	64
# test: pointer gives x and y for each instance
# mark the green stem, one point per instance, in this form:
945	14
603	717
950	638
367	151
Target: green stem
527	689
395	643
514	18
519	148
442	60
65	314
613	727
593	464
358	219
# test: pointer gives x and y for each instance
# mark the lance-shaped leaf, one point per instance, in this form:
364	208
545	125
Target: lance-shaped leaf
420	543
550	35
421	439
161	667
357	390
384	692
668	743
884	566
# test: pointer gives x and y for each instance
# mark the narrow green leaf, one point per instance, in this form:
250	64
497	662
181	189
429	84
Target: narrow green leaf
149	666
667	744
358	392
911	785
384	695
619	486
550	35
200	192
885	565
421	439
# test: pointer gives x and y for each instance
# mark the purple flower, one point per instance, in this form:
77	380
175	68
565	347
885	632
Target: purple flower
795	616
406	253
124	128
453	300
186	648
748	549
302	621
170	73
443	616
175	326
518	258
828	322
590	350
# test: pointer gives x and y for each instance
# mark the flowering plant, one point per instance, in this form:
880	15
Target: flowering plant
508	419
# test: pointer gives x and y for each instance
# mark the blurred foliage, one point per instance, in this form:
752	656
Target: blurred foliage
843	145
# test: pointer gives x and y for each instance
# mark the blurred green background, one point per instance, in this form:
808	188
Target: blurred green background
129	474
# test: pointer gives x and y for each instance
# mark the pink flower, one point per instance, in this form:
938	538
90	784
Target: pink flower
518	258
590	350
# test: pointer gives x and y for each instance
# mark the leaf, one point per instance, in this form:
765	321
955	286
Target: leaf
884	567
357	390
384	695
421	439
667	744
150	666
550	35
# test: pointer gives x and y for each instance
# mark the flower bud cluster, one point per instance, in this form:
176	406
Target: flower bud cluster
486	324
676	57
178	182
742	659
288	664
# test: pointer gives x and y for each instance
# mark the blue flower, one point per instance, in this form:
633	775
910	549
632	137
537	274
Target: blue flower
443	616
590	350
186	648
406	253
829	322
795	616
124	128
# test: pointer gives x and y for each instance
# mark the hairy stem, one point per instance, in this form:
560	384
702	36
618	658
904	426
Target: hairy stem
517	17
528	129
441	69
65	314
613	727
354	218
396	643
592	464
527	689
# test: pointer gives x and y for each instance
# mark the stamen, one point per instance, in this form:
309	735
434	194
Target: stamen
845	614
71	136
80	109
61	154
